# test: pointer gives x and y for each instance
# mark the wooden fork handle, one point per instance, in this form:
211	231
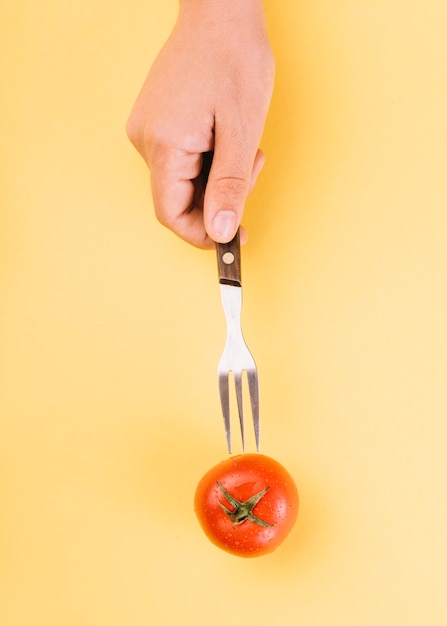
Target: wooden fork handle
228	254
229	261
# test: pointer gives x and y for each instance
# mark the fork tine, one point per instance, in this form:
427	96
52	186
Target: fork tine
240	408
236	356
253	388
225	403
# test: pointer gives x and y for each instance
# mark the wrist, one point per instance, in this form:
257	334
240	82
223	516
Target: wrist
224	16
229	4
223	7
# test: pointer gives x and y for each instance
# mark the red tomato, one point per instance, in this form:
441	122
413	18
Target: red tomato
247	505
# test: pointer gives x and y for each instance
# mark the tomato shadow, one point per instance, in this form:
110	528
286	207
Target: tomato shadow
172	463
307	546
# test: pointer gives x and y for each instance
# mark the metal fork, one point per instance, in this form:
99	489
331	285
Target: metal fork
236	356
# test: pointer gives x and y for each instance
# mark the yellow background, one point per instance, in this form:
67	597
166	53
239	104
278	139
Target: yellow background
111	327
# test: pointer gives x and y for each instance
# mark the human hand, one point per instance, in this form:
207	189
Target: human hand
209	89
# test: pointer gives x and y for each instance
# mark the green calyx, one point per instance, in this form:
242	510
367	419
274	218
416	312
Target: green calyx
243	511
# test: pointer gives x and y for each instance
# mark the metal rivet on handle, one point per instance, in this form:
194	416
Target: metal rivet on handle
228	258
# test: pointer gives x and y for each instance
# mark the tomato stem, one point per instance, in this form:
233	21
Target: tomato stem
243	510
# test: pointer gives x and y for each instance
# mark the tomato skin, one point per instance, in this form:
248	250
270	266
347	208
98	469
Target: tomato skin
243	477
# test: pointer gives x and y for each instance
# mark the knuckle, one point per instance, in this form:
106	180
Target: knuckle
139	134
133	129
144	135
232	189
164	217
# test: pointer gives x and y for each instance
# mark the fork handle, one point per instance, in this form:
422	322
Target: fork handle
228	254
229	261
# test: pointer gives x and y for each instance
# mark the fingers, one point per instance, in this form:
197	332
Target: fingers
178	192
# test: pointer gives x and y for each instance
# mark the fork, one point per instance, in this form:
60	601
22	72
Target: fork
236	356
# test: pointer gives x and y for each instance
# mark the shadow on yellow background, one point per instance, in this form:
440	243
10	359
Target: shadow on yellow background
111	328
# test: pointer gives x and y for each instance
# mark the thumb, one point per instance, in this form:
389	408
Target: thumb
227	188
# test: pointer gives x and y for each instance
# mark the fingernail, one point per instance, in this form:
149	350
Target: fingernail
224	224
